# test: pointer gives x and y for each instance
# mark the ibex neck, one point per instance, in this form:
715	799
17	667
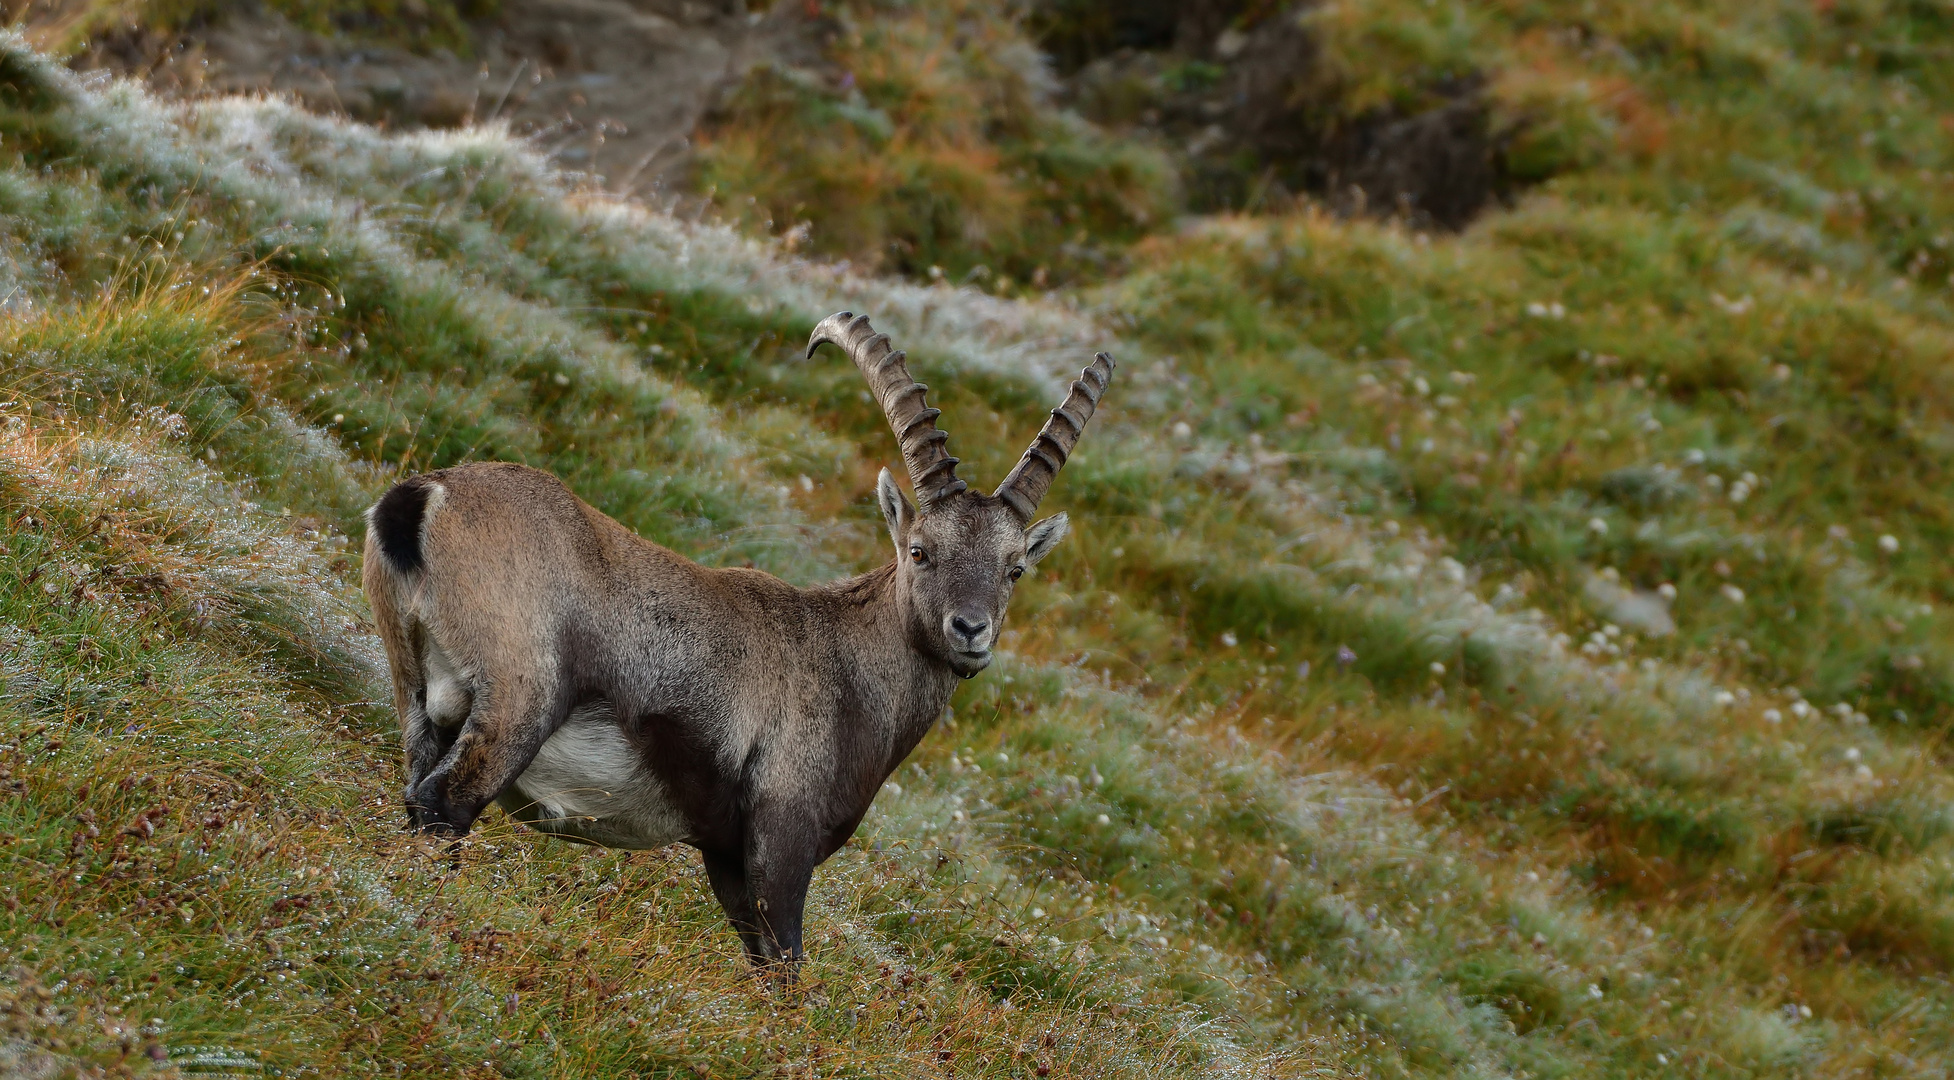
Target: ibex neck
891	655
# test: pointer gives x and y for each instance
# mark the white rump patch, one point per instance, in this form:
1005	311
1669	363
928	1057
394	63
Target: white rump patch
437	496
588	783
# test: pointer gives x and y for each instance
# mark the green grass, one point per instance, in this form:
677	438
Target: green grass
934	152
1492	837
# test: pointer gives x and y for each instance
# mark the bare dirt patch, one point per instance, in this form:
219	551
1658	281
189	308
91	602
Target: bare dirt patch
611	88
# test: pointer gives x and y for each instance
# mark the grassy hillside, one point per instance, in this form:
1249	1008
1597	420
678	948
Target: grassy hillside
1518	652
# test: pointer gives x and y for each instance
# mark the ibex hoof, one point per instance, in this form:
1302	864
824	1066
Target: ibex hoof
429	815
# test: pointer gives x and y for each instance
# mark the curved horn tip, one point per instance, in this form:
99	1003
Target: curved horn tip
825	330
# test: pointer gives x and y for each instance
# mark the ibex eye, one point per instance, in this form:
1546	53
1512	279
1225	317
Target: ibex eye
1017	572
919	555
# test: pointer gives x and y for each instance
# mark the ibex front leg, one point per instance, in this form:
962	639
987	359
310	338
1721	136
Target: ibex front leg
764	890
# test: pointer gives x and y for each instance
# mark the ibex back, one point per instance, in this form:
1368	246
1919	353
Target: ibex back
607	690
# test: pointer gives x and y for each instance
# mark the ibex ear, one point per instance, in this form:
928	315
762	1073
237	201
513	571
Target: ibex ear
1043	536
895	508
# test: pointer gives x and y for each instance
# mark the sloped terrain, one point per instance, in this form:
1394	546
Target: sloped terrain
609	89
1514	653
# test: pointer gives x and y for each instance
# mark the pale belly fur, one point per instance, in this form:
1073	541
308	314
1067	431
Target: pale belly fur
588	784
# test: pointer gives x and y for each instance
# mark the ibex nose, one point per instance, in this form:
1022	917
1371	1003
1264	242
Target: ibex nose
968	630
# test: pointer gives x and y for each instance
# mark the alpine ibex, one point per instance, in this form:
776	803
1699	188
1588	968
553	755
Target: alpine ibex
607	690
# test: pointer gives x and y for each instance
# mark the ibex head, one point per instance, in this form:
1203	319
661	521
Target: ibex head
959	552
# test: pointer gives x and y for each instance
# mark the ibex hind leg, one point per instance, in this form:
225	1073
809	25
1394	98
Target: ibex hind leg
507	725
439	707
427	743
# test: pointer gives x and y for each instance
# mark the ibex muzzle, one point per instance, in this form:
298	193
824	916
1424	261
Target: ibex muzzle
607	690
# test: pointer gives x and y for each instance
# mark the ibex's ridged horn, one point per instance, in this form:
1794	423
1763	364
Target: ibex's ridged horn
1025	488
932	471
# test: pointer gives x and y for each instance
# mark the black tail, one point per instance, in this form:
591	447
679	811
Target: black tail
396	523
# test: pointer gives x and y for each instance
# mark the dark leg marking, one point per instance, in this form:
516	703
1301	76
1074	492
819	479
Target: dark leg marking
727	872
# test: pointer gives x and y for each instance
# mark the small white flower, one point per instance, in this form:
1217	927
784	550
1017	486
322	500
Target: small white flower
1852	753
1863	772
1694	456
1594	991
1724	699
1889	543
1420	386
1438	669
1739	491
1666	591
1003	758
1102	820
1772	716
1597	526
1182	431
1662	1059
1732	593
1229	639
1800	709
1037	913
